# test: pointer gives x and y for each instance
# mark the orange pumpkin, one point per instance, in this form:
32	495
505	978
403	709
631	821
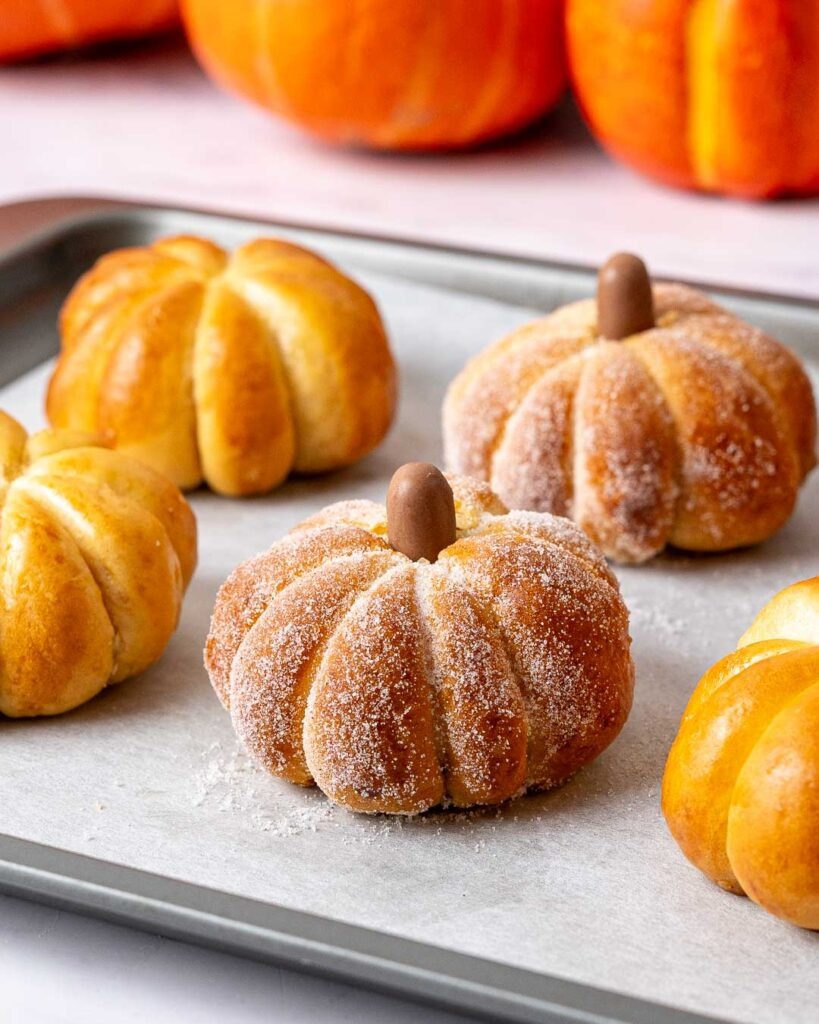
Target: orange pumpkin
721	95
32	27
391	74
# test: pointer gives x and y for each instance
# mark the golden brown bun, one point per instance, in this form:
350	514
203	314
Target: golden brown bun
741	787
696	433
96	550
229	370
397	685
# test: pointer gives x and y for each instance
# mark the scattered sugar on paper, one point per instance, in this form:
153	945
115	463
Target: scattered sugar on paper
656	619
230	781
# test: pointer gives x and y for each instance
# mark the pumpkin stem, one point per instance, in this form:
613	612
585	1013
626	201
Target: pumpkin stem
420	511
625	303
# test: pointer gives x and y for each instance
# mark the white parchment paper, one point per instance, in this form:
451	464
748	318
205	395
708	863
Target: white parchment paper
584	883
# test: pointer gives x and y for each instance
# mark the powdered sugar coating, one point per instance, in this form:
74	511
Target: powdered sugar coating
271	672
250	588
369	515
541	428
491	387
564	628
692	445
624	455
555	530
370	734
737	474
482	720
399	685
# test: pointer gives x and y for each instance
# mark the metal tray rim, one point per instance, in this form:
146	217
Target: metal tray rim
134	209
301	940
313	944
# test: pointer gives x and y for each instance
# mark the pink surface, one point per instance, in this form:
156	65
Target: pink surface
144	123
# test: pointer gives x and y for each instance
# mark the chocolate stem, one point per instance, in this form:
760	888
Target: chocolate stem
420	511
625	304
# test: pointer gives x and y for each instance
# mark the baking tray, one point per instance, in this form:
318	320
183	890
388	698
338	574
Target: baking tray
571	906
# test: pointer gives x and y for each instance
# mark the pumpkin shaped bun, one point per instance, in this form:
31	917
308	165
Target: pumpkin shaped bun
650	416
228	370
741	787
96	550
439	650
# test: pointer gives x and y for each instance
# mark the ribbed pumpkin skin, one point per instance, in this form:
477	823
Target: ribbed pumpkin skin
389	74
719	95
29	28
